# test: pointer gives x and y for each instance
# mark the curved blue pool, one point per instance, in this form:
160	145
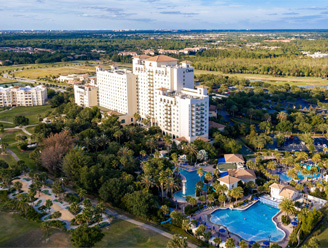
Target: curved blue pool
252	224
284	177
192	179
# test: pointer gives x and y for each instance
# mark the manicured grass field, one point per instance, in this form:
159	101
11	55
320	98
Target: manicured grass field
29	112
15	231
125	234
23	155
306	81
8	158
226	166
9	136
5	80
54	71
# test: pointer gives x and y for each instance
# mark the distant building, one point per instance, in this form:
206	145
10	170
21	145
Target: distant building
128	53
216	125
23	96
68	78
86	95
212	111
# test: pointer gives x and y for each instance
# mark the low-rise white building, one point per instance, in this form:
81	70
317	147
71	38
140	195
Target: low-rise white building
86	95
280	191
23	96
245	175
68	78
229	181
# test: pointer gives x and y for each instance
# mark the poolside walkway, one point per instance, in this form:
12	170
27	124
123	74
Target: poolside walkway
287	229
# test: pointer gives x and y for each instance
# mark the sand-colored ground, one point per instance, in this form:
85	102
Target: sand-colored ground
24	184
44	196
66	214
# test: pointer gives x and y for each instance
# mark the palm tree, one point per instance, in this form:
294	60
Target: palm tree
161	181
147	181
171	185
192	201
117	135
167	141
82	193
237	193
136	116
143	153
18	186
157	154
282	116
200	172
287	206
191	149
151	142
208	176
210	198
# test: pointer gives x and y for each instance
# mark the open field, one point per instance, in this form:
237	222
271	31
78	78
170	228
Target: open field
30	112
54	71
5	80
15	231
35	66
304	81
125	234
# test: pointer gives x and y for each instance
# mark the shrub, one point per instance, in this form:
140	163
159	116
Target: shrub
285	220
70	198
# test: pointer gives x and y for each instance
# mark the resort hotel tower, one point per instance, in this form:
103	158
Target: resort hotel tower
160	90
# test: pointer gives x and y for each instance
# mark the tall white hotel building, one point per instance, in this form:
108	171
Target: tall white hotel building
159	89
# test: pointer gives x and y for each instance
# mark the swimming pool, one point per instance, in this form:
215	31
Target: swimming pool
192	179
284	177
252	224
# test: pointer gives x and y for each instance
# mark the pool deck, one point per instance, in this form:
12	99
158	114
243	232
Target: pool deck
205	216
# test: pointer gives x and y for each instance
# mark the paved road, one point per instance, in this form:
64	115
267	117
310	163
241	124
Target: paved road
13	154
22	128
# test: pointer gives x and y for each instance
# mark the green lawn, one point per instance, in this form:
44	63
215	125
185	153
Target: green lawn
226	166
8	158
9	135
125	234
15	231
7	125
30	129
29	112
23	155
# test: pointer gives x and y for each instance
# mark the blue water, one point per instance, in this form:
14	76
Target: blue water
252	224
284	177
192	178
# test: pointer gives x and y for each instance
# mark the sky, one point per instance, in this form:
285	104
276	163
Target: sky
162	14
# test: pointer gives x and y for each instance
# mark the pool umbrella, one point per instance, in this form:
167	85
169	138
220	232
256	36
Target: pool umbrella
294	223
208	227
255	198
222	230
266	243
213	228
251	242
